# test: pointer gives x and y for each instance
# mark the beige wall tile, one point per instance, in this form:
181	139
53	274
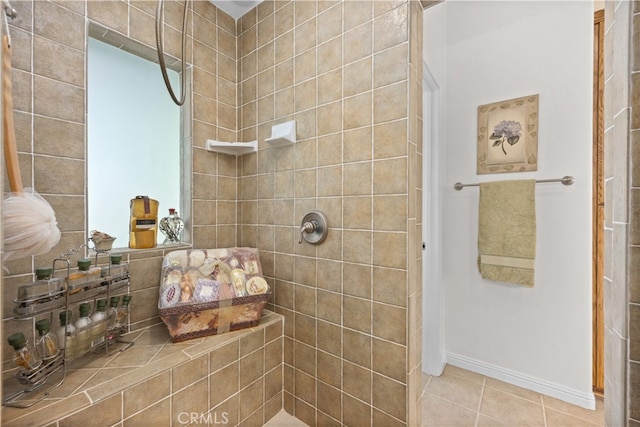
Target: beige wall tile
387	286
251	367
357	13
329	369
358	43
390	66
357	246
188	373
389	322
305	95
107	411
153	415
390	103
329	400
389	176
251	398
357	212
330	118
192	399
330	55
388	359
266	56
330	87
329	338
47	94
356	280
356	313
388	213
224	383
329	150
284	18
305	358
330	181
305	300
304	11
391	28
305	36
357	348
284	47
47	54
357	144
389	396
305	329
357	77
305	65
146	394
330	23
357	381
357	111
58	175
59	24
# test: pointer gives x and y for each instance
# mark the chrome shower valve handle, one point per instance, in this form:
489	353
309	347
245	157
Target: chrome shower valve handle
307	227
313	228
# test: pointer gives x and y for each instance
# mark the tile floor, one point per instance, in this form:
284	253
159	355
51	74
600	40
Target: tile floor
459	398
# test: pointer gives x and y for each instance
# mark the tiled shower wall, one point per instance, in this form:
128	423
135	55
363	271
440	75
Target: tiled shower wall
49	89
622	224
349	73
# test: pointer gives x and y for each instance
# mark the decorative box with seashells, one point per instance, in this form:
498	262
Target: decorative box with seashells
210	291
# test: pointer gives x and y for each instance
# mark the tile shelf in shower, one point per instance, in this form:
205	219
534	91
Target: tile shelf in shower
232	148
94	378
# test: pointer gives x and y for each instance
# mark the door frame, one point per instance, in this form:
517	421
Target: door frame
598	202
433	349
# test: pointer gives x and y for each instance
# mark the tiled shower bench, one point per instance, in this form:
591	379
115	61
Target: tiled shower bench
229	379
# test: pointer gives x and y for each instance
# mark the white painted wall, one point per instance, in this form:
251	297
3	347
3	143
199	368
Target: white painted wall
485	52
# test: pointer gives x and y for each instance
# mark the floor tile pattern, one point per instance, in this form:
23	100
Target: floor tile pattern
459	398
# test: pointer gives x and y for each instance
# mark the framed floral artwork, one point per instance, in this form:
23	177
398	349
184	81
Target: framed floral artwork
508	136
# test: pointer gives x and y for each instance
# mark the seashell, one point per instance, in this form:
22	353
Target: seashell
196	258
257	285
173	278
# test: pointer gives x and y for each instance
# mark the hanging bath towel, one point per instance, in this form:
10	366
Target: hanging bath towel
507	231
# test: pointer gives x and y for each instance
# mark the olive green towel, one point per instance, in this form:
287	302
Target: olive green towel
507	231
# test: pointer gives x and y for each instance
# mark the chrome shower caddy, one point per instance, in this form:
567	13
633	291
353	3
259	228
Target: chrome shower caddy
58	300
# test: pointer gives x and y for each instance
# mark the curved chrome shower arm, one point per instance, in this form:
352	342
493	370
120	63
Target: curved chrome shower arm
160	49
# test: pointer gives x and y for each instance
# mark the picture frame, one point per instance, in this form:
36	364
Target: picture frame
508	136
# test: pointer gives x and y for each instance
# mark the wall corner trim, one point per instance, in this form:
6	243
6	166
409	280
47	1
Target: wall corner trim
576	397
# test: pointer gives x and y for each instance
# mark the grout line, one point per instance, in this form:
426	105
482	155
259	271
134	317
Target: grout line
484	380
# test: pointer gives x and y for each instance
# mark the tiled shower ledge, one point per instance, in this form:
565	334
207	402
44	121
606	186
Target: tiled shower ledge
95	377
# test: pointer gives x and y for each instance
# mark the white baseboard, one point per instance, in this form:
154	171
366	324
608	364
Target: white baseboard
584	399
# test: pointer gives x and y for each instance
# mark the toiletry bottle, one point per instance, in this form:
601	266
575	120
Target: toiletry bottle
67	335
99	323
143	223
25	356
43	275
47	345
83	329
85	277
123	313
119	269
112	313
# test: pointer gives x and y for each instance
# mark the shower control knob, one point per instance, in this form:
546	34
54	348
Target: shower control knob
313	228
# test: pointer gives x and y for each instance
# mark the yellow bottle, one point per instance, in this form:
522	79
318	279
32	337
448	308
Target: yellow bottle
143	226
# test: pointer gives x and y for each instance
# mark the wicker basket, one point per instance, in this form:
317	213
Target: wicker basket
211	291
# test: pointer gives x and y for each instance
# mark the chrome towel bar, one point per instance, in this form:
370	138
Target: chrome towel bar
566	180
